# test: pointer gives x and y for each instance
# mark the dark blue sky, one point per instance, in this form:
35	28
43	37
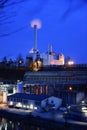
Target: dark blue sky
64	26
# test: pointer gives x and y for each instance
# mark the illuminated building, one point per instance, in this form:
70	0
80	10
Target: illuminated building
66	82
33	101
48	58
54	77
3	96
49	75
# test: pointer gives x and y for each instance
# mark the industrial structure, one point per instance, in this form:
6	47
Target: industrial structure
33	101
66	82
35	60
49	75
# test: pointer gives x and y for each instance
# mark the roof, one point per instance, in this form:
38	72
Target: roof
36	97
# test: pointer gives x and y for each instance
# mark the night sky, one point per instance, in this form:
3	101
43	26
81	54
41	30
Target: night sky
64	26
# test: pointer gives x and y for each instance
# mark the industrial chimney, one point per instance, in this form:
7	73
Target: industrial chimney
36	24
35	38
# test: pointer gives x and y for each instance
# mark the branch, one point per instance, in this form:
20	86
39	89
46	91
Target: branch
15	31
15	3
72	9
2	2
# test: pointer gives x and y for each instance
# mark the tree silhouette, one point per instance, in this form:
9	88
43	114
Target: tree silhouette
9	13
20	60
11	10
2	2
4	60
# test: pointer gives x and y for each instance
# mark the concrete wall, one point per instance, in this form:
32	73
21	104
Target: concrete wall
51	103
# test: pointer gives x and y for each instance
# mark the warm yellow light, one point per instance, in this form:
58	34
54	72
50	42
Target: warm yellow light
35	68
70	88
70	62
39	63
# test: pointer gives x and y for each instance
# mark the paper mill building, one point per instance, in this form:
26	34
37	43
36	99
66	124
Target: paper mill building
66	82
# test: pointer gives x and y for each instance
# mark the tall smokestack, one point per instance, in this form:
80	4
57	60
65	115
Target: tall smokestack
36	24
35	38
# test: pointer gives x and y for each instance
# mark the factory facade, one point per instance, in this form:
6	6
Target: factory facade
66	82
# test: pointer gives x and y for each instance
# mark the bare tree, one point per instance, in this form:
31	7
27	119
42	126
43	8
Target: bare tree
73	6
10	11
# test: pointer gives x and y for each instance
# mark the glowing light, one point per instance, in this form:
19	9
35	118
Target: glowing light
18	104
70	62
35	68
11	103
70	88
84	109
39	63
24	106
35	108
36	22
20	61
82	102
28	107
31	106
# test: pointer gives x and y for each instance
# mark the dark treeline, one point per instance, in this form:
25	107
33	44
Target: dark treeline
5	63
12	74
12	69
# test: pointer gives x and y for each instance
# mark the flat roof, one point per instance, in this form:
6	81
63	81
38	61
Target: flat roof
36	97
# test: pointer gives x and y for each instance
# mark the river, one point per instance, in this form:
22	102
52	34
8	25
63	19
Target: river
16	124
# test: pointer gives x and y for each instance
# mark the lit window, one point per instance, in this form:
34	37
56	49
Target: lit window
18	104
28	107
10	103
84	109
35	108
31	106
24	106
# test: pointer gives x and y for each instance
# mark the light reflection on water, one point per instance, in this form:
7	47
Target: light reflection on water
10	125
6	124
